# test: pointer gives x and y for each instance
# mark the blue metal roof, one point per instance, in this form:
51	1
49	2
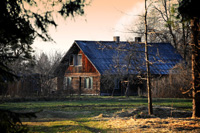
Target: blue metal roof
105	56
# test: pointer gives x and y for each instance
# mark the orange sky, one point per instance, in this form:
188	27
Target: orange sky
103	19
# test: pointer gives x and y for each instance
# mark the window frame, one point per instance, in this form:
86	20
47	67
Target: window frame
78	62
75	60
88	82
67	82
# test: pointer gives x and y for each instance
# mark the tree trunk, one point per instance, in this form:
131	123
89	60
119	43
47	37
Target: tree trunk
127	89
196	66
150	109
184	41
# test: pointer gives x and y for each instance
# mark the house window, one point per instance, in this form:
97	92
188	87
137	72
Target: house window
67	82
75	60
79	60
88	82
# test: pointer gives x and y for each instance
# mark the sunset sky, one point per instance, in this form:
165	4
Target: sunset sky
102	20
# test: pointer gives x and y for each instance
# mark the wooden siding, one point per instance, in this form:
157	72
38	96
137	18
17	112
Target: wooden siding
77	86
86	67
78	74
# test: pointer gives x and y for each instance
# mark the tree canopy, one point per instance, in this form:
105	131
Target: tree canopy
24	20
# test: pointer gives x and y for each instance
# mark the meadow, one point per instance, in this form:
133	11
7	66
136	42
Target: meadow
104	114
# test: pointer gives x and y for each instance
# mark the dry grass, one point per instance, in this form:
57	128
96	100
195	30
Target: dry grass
155	124
166	119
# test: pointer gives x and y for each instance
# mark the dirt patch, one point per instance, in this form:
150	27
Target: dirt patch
166	119
155	124
159	111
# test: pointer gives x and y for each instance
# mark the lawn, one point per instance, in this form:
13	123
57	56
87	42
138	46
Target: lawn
92	114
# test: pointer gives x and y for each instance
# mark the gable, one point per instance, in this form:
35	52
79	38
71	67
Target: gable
65	67
85	67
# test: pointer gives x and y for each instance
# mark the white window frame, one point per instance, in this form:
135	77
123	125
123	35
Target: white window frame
88	82
67	82
79	62
76	61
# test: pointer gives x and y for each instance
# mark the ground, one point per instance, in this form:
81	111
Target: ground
100	115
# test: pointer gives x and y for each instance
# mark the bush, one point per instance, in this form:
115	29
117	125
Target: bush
10	121
173	85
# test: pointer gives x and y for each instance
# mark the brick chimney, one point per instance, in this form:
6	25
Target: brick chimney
116	39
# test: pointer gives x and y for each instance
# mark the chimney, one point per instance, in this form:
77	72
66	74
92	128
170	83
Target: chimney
116	39
137	39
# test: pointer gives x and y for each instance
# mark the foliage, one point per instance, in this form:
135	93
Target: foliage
37	76
177	83
24	20
10	121
21	22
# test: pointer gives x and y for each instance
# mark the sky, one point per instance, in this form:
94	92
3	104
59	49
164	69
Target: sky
102	20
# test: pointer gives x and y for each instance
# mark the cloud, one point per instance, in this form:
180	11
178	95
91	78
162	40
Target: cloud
128	19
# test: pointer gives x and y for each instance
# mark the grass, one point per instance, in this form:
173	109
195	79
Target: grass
77	114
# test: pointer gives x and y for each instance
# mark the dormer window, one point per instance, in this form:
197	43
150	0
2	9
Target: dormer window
75	60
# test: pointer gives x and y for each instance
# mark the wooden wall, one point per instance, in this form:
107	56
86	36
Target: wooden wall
77	86
86	67
78	74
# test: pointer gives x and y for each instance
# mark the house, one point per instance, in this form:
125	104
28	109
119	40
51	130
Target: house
86	64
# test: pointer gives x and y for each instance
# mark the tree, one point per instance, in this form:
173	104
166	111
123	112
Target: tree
45	67
190	11
178	30
165	26
126	67
21	22
150	108
24	20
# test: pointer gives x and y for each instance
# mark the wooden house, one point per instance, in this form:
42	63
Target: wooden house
82	69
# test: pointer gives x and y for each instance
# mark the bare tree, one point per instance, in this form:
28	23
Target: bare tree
126	67
150	108
165	26
174	27
45	66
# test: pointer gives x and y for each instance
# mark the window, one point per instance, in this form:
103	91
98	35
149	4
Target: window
79	60
67	82
75	60
88	82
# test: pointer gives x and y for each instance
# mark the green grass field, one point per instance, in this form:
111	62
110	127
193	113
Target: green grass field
77	114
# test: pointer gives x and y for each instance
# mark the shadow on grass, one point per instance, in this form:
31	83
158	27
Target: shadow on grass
65	128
